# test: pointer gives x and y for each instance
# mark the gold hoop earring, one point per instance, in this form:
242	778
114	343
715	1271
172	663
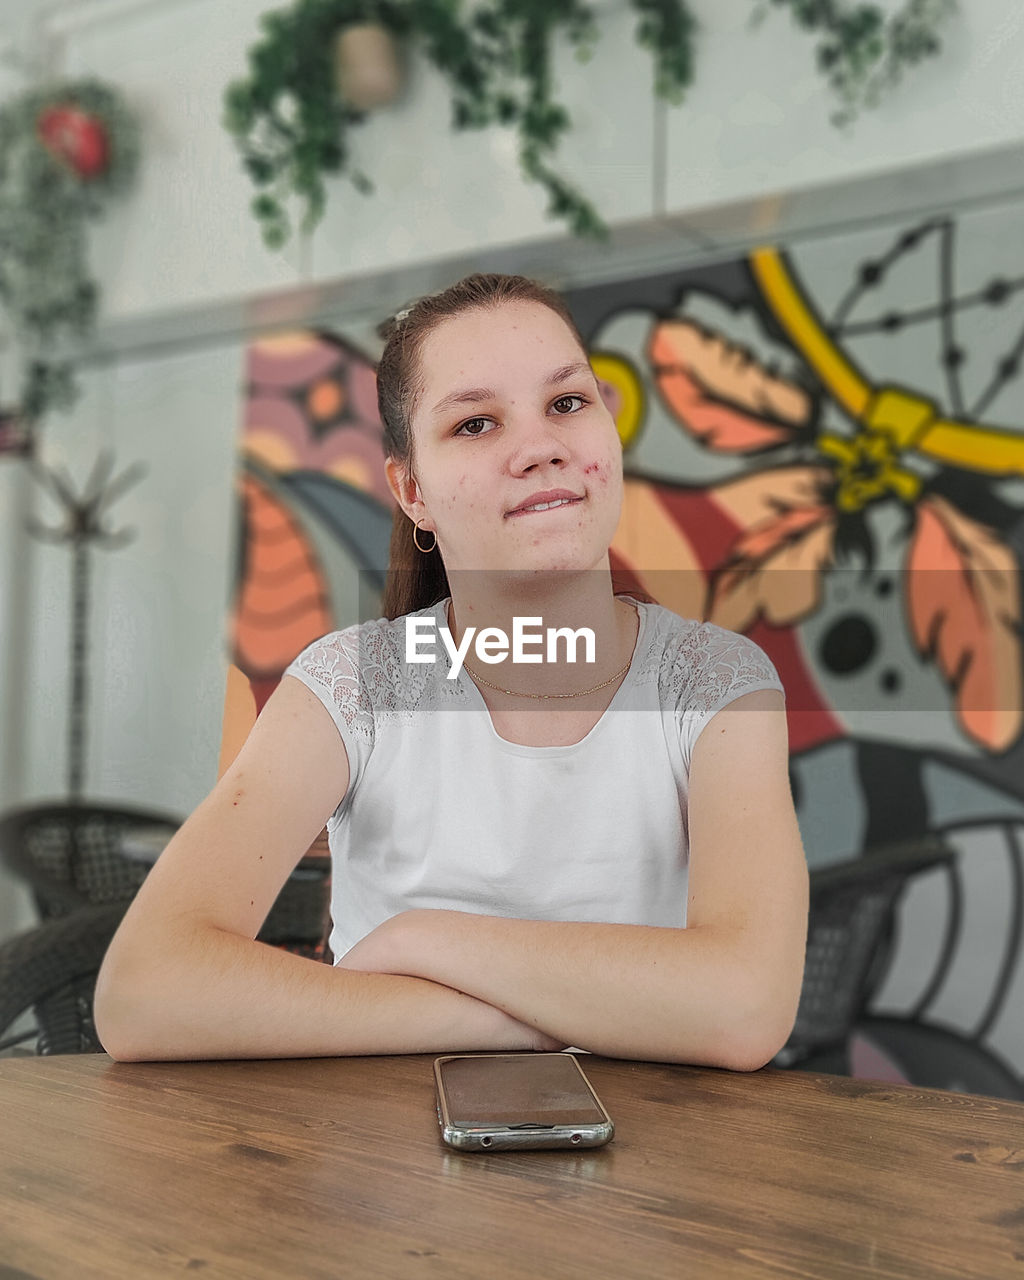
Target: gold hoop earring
415	538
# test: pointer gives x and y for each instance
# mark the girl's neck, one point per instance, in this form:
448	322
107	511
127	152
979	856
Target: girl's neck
551	601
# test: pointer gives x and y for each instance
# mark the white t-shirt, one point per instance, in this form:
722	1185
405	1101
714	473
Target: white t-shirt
442	812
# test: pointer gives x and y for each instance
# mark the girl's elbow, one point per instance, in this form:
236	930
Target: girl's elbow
120	1049
758	1035
750	1052
119	1010
108	1018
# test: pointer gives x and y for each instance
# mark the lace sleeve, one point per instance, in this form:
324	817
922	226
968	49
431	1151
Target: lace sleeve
330	668
712	667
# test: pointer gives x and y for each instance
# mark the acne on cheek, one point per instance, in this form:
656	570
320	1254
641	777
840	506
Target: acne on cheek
595	469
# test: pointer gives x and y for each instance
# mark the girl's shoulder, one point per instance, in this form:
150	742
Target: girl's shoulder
372	645
365	670
700	664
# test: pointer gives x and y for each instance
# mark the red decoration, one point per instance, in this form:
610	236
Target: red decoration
15	437
76	138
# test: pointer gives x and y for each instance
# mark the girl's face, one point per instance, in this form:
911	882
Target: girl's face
517	463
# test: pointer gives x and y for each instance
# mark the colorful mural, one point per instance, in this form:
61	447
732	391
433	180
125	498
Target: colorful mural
824	449
856	526
314	511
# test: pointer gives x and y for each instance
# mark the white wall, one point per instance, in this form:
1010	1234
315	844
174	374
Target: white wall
159	604
185	274
754	128
757	121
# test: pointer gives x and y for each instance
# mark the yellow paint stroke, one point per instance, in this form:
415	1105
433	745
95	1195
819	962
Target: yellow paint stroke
910	421
611	368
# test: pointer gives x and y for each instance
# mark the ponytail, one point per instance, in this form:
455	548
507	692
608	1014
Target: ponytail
415	579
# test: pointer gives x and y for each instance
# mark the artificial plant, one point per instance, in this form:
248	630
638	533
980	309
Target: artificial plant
65	149
861	51
291	121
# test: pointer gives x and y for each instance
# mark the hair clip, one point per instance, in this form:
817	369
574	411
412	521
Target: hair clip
402	315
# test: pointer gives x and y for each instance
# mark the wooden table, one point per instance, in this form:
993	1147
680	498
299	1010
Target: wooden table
334	1167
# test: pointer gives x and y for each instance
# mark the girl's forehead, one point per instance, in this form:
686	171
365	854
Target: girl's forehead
517	335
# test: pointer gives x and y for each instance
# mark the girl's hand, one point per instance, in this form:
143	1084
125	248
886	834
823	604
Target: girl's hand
387	949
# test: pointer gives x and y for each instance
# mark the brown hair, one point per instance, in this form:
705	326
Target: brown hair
416	580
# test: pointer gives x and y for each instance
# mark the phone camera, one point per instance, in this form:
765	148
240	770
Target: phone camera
576	1139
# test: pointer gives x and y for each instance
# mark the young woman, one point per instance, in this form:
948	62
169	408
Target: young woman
530	855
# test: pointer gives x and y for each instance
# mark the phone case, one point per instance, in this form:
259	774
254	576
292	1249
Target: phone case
527	1132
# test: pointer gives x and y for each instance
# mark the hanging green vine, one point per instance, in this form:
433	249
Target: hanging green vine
862	52
65	149
292	124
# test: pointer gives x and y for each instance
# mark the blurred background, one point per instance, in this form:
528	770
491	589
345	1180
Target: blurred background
811	330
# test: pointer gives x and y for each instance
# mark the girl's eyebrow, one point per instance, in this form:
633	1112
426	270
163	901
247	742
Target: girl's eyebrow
474	395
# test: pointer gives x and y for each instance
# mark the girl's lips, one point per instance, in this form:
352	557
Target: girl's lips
562	504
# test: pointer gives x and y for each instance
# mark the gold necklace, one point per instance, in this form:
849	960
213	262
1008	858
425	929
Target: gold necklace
516	693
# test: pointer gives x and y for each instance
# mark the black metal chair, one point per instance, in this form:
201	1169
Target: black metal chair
852	906
47	979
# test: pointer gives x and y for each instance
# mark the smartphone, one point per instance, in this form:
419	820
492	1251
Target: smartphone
518	1102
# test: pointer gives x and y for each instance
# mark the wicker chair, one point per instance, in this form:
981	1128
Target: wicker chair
69	855
941	1058
47	979
298	921
48	973
848	946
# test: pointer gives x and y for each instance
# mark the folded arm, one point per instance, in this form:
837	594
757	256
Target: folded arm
184	976
721	992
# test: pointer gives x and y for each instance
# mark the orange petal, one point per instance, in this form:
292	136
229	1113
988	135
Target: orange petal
282	604
965	613
757	497
720	393
775	570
